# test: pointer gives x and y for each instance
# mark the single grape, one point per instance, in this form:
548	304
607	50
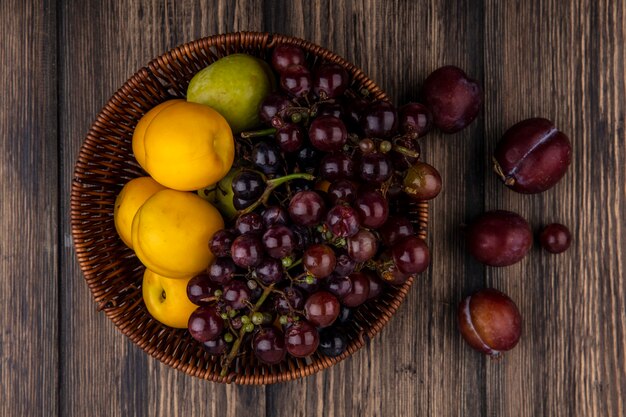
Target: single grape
222	270
422	182
200	289
319	260
345	315
333	341
248	185
274	105
236	294
372	208
306	208
341	191
362	246
344	264
285	55
330	80
375	167
376	286
215	347
395	228
247	250
241	203
269	345
291	299
335	166
269	271
342	221
308	158
278	241
328	133
301	339
307	288
411	255
555	238
359	290
290	137
220	242
295	80
352	110
274	215
205	324
267	158
339	285
321	309
415	120
379	120
249	223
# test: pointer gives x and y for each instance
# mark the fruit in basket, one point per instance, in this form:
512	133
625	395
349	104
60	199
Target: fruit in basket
490	322
134	193
186	146
235	86
166	299
140	130
499	238
532	156
171	233
453	99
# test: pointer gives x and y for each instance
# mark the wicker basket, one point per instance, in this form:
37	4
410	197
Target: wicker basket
112	271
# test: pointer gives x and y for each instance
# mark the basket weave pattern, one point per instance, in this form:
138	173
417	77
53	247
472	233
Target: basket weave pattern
114	273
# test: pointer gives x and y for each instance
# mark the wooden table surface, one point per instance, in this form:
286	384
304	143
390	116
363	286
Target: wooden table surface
564	60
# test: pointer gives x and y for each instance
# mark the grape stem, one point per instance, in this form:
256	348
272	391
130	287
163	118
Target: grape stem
258	133
272	185
237	344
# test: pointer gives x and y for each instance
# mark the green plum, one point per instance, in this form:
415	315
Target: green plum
235	86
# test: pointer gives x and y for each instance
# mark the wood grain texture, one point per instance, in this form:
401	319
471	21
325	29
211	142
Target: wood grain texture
29	210
561	60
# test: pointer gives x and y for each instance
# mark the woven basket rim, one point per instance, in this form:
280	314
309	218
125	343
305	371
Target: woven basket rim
265	40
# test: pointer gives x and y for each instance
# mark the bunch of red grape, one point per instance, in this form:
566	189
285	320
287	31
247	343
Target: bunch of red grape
322	227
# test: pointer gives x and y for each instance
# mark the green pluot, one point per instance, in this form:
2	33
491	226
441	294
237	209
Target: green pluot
235	86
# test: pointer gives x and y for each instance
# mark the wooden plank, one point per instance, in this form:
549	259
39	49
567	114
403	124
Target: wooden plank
28	213
103	373
563	61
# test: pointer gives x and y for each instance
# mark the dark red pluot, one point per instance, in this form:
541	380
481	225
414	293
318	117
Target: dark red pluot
532	156
499	238
555	238
490	322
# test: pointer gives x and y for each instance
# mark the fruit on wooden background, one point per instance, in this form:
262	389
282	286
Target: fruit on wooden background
166	299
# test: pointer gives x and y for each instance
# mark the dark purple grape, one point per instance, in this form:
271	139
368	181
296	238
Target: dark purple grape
241	203
248	185
296	81
340	285
342	221
290	137
222	270
453	99
274	105
359	290
249	223
269	345
422	182
291	299
532	156
335	166
375	167
345	315
267	158
344	264
341	191
329	109
499	238
236	294
307	288
301	339
411	255
269	271
379	120
286	55
215	347
308	158
220	242
274	215
328	133
321	309
376	286
352	110
415	120
319	260
373	209
200	289
330	80
362	246
306	208
404	153
247	250
278	241
555	238
205	324
395	228
333	341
